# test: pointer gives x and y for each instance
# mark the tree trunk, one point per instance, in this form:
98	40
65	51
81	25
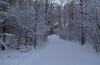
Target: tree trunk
82	35
3	47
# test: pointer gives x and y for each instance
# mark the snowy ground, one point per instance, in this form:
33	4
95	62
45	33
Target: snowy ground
57	52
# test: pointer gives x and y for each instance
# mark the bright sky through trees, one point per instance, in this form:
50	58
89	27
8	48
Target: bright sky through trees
60	1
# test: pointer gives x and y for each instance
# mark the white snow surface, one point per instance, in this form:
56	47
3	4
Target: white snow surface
57	52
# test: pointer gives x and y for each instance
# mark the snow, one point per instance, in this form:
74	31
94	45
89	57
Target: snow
57	52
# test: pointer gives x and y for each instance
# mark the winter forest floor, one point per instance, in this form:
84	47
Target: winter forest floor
57	52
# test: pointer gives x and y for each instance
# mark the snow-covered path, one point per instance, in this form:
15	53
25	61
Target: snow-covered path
57	52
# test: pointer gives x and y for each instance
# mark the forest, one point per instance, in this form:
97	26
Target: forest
30	22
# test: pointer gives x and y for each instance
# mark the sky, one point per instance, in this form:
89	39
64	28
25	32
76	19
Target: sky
60	0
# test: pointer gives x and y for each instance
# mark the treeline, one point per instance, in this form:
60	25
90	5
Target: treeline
25	22
81	22
29	22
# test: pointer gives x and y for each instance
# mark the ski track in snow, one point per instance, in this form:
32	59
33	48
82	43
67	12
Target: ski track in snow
57	52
